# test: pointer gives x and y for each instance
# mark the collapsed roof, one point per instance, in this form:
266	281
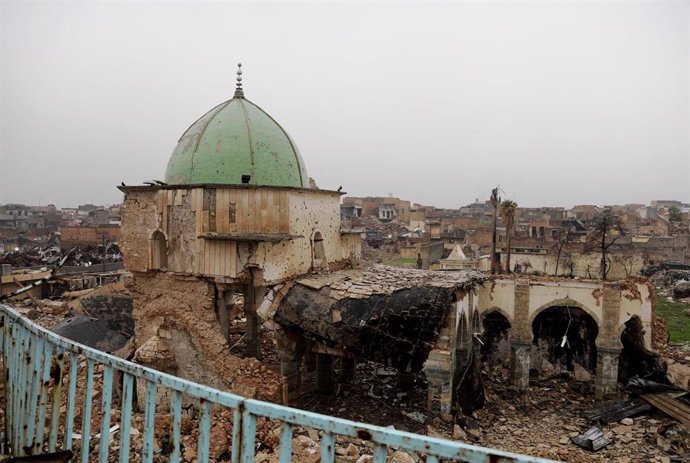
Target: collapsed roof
387	314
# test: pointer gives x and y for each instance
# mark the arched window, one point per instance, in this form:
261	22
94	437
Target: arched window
159	251
318	251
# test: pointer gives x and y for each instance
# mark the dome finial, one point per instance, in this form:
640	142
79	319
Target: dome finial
239	93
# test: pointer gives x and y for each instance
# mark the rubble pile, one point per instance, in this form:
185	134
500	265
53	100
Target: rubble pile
541	422
674	281
380	255
36	256
393	228
544	421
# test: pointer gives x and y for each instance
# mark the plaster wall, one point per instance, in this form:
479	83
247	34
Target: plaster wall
583	265
310	212
497	295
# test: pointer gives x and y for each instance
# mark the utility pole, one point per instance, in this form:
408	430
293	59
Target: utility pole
495	200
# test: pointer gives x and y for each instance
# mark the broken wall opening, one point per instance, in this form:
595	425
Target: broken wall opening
496	338
563	336
319	251
635	359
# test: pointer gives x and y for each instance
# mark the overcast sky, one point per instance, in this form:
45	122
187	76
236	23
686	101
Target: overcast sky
559	103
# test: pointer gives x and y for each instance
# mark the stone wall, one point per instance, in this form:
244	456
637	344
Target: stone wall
178	216
140	218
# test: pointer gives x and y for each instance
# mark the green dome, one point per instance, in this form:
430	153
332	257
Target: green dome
233	139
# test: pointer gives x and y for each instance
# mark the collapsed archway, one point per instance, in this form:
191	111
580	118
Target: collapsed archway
496	338
635	359
564	336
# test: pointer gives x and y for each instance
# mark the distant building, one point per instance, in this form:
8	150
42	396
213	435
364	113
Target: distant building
666	203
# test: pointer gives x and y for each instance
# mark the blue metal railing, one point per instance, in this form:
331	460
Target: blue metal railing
36	377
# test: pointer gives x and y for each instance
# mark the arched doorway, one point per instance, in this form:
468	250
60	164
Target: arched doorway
496	338
563	336
159	251
318	252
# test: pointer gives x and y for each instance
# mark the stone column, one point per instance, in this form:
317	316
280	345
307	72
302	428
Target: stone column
521	337
290	348
519	363
606	382
439	374
608	343
324	373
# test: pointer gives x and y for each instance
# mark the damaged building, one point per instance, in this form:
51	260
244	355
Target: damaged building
237	229
235	216
445	323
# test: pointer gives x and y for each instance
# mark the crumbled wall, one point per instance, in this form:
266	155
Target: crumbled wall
140	217
583	265
182	236
637	301
184	306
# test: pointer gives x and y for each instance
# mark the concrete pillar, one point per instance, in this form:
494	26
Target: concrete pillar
438	369
606	382
519	363
290	348
348	369
324	373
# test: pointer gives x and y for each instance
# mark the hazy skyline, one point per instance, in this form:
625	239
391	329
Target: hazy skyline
561	103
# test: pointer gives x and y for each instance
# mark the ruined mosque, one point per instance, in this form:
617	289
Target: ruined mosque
238	230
